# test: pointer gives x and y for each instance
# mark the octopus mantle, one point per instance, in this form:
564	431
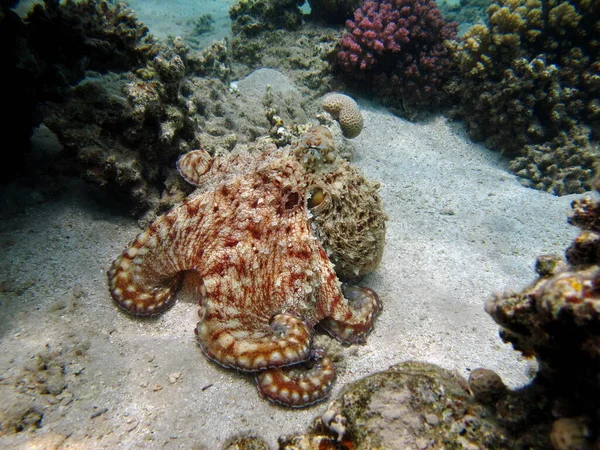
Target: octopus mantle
266	281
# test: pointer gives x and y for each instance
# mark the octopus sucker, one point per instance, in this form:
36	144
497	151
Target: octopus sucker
298	385
255	350
263	279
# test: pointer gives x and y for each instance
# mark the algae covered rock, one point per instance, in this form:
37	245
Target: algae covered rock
412	405
556	320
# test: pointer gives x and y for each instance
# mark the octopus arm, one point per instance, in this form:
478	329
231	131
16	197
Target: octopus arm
144	278
352	314
231	342
300	385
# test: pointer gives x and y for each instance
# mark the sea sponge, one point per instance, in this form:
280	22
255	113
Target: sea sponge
349	220
345	110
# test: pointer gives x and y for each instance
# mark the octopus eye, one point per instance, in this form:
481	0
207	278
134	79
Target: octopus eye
317	196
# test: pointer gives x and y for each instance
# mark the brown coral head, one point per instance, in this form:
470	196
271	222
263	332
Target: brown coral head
346	111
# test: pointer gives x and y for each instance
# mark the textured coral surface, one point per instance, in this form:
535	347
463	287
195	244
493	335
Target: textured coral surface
52	47
556	320
398	46
345	110
528	85
410	405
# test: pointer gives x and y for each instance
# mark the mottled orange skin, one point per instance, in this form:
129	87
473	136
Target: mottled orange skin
265	279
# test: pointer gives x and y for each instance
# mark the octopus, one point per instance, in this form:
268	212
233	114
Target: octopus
263	280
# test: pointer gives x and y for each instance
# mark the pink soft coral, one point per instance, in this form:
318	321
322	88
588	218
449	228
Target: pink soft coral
399	46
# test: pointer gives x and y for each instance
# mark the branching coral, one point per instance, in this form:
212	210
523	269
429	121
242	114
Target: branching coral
567	164
399	47
528	78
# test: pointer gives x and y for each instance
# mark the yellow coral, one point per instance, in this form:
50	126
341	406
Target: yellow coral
563	16
345	110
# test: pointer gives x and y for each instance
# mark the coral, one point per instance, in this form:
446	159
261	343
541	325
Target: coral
203	24
303	55
528	79
251	17
124	132
245	443
333	11
345	110
263	279
211	62
410	405
92	35
398	47
556	320
51	49
566	165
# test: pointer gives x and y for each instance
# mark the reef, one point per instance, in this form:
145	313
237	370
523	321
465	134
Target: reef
263	278
126	130
409	405
50	50
398	48
528	78
304	55
556	320
562	166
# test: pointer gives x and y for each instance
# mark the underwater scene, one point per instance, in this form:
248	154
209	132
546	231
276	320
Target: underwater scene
300	224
